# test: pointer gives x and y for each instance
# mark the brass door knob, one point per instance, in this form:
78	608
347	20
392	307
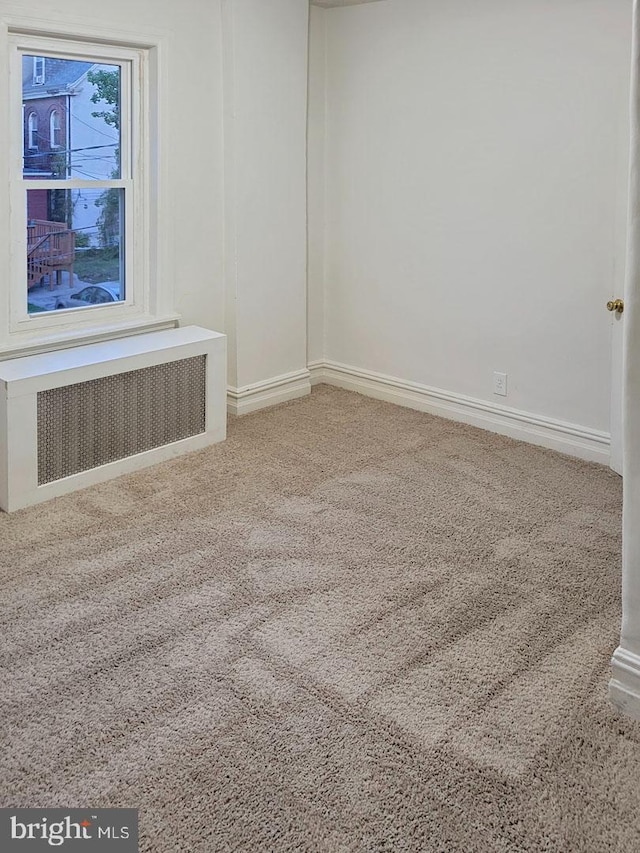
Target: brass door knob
616	305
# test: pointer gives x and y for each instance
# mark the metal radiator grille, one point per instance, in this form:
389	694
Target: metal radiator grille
92	423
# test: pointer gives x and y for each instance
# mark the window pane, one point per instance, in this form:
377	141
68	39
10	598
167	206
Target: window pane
86	98
75	248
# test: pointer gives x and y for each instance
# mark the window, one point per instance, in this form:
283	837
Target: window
32	131
79	244
54	129
38	70
79	205
80	213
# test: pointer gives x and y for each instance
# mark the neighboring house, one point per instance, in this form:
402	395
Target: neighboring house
62	138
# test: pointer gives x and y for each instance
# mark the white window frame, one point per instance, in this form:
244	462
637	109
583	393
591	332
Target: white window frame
131	132
55	129
149	302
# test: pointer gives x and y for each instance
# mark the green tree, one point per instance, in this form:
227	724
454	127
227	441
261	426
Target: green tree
107	85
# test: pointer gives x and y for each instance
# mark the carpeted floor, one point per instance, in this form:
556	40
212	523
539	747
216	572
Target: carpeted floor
351	627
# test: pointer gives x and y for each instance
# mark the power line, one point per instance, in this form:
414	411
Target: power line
88	174
58	151
91	127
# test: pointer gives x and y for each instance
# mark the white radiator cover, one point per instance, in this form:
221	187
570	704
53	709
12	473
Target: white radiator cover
110	370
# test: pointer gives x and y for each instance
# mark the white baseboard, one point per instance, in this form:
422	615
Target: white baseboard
624	687
565	437
250	398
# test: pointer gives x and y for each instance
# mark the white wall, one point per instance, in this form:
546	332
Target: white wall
265	91
234	119
471	164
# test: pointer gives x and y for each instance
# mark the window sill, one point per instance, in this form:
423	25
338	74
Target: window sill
65	339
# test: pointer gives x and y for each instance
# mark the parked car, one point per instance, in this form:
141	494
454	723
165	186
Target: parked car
93	294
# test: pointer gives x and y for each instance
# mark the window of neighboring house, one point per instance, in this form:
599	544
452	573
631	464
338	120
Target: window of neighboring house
32	131
80	213
38	70
54	129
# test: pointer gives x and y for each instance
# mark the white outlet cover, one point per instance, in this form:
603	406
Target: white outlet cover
500	384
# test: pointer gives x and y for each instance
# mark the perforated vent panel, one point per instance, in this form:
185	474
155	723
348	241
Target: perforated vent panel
92	423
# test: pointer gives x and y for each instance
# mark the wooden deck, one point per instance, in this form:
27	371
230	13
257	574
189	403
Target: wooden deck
50	250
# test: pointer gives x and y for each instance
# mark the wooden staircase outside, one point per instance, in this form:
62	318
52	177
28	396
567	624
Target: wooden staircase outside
50	249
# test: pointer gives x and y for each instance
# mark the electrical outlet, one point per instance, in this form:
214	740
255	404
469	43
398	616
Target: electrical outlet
500	384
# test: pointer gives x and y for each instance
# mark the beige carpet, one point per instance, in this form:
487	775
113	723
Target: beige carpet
352	627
